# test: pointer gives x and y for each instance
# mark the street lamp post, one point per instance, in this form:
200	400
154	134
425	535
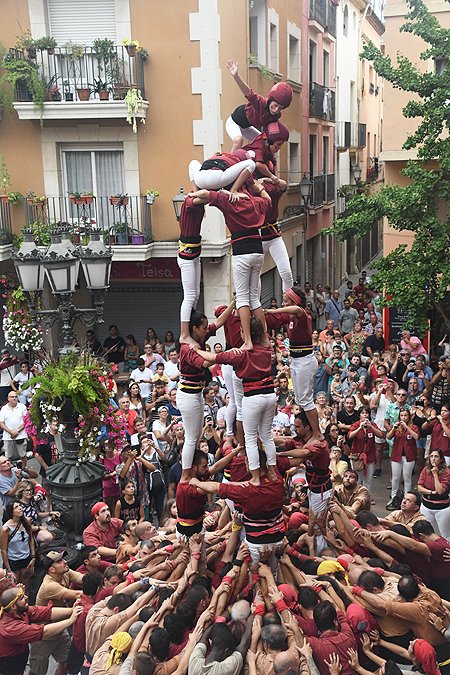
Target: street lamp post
177	202
74	485
61	264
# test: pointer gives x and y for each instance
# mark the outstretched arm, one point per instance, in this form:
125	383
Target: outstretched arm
234	72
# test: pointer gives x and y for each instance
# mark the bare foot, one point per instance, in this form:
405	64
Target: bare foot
271	473
248	346
255	481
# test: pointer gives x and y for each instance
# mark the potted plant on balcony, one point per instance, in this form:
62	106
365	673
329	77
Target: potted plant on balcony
36	200
121	231
83	93
102	89
132	46
23	75
52	90
137	238
133	99
103	48
68	94
151	196
26	42
46	43
81	197
15	198
119	200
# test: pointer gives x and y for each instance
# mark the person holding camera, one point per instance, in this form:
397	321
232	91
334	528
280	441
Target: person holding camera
8	369
404	453
363	455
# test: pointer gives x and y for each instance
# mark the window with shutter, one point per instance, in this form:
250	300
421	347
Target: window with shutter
82	21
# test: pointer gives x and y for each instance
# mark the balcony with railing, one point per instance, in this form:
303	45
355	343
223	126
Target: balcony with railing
350	135
6	236
322	16
322	103
121	220
323	190
75	82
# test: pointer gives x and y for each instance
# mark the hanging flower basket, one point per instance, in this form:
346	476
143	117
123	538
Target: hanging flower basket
131	49
119	200
38	201
81	199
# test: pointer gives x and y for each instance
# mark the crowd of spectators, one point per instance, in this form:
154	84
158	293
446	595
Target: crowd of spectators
217	574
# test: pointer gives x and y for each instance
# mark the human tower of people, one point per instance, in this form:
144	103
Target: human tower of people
240	573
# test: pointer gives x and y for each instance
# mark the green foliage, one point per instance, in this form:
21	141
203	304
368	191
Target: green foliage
45	42
265	72
414	278
16	70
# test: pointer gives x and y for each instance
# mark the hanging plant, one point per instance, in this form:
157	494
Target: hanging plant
86	383
133	99
18	328
26	71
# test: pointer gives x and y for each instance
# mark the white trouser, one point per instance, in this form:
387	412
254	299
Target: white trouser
303	369
191	408
440	520
233	130
230	413
365	479
238	395
214	179
191	272
246	272
277	249
398	470
264	550
257	418
318	504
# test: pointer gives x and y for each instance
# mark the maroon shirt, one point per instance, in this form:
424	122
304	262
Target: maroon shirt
262	152
17	631
232	330
243	214
364	442
93	535
190	508
299	330
404	444
317	465
439	439
257	110
270	229
253	367
192	372
261	505
191	217
440	570
334	642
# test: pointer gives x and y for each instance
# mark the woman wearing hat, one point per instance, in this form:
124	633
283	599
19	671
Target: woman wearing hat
110	657
247	120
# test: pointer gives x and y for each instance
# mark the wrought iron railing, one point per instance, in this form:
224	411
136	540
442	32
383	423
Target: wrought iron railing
330	195
350	134
80	73
5	223
120	221
324	12
321	102
318	190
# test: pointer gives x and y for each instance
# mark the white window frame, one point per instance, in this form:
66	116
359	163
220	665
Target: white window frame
294	73
92	148
273	51
258	13
294	162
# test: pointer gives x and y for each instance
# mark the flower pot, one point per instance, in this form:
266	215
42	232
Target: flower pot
131	49
119	91
56	96
112	239
4	199
119	201
103	95
50	51
151	199
83	94
137	239
68	97
37	202
31	51
85	239
76	239
122	238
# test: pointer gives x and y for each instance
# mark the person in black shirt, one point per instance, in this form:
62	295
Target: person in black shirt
347	416
374	343
114	346
93	346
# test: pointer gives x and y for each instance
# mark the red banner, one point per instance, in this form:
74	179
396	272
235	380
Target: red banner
155	269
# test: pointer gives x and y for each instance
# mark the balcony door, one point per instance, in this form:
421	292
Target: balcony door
98	171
